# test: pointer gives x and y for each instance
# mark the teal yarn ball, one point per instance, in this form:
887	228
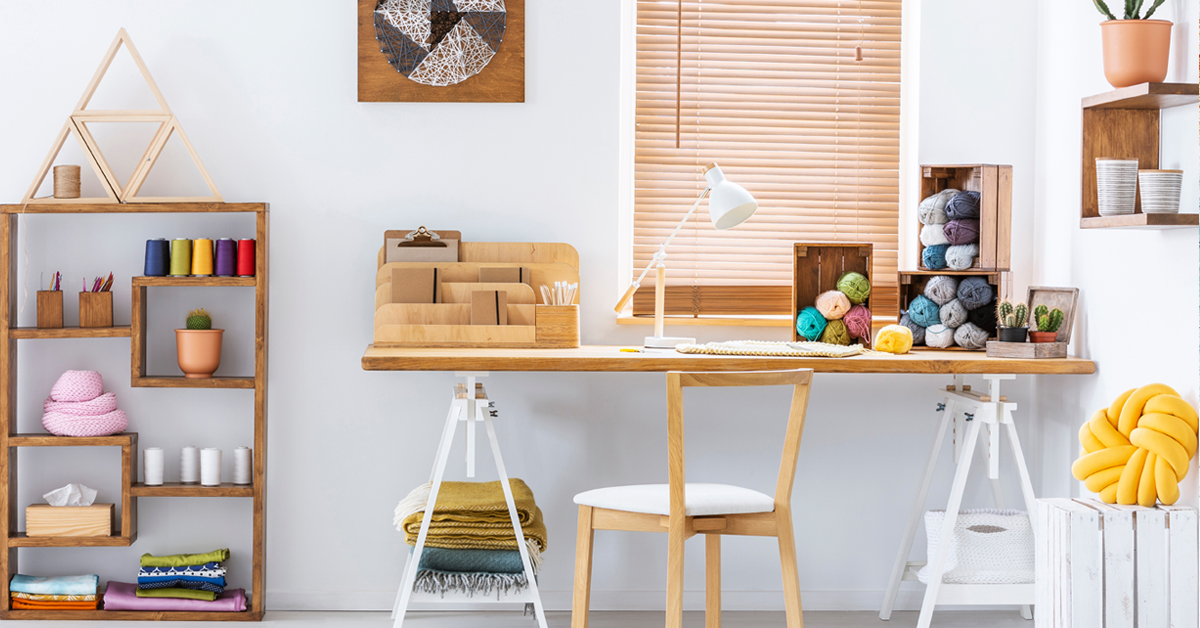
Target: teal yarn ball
934	257
810	323
924	312
855	286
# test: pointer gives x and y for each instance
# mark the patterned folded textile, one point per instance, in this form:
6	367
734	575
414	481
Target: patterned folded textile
441	582
177	583
175	592
472	515
54	598
184	560
35	605
208	570
471	560
121	596
62	585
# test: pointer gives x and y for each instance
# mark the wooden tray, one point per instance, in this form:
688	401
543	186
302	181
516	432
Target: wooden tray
1026	350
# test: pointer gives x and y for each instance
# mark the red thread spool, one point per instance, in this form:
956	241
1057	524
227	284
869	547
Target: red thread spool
245	258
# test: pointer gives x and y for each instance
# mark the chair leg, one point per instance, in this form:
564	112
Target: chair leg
675	539
712	581
791	573
583	569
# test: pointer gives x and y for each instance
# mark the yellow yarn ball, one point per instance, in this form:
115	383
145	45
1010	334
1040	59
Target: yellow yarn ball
896	339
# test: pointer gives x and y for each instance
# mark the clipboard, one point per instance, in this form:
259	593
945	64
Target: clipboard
421	245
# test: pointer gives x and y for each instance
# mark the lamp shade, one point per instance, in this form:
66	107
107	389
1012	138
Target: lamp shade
729	204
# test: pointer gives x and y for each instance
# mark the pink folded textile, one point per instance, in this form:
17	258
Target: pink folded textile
100	405
77	386
62	424
121	596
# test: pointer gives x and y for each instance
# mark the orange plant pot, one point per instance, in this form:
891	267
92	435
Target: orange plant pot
198	351
1135	51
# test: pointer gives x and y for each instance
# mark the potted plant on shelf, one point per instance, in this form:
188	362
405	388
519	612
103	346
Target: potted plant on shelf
1048	321
1012	320
198	347
1136	48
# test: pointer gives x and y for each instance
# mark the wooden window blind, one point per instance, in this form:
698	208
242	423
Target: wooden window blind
771	90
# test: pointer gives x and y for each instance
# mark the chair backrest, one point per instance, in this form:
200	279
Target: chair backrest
801	382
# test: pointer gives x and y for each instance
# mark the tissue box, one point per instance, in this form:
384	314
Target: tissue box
47	520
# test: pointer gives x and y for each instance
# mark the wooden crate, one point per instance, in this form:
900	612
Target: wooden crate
912	284
47	520
994	184
816	267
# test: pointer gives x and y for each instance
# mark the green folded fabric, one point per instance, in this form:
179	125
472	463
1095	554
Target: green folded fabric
173	592
184	560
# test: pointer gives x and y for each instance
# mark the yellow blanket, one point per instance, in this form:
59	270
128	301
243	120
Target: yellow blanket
473	515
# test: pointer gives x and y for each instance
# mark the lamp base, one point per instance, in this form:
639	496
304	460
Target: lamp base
667	342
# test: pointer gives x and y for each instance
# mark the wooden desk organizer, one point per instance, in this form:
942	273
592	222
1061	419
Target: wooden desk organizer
448	324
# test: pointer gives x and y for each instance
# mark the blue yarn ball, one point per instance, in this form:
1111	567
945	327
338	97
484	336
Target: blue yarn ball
934	257
974	293
963	205
810	323
924	312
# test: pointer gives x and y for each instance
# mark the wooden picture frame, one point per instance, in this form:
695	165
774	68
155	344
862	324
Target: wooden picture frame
1064	299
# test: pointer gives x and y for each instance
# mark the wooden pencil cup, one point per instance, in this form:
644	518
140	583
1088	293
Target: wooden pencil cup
95	309
49	309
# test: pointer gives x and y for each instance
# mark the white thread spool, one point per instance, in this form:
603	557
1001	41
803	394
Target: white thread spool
189	465
242	466
152	466
210	466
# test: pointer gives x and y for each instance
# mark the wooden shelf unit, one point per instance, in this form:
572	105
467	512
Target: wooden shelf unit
1124	123
10	441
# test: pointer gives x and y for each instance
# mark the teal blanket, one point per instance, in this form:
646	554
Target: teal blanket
471	560
62	585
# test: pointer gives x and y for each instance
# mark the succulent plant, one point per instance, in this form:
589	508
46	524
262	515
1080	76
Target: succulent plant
1132	9
1009	315
1047	319
199	319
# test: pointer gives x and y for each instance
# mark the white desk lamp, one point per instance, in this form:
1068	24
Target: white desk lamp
729	206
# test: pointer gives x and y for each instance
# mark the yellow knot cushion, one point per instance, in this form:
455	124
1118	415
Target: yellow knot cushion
894	339
1138	449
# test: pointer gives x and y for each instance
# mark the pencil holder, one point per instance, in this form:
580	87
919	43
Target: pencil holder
95	309
49	309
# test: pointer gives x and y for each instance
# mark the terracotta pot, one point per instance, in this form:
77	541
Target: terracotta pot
1013	334
198	351
1043	336
1135	51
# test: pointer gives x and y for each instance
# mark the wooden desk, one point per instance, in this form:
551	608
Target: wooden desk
606	358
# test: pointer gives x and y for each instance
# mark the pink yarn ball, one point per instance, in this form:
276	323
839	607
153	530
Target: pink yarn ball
78	386
833	305
858	321
61	424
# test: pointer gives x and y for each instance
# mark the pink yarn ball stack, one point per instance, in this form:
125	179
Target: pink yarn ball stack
78	406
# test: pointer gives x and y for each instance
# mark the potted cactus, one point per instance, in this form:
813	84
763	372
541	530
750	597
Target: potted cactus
1012	320
198	348
1048	321
1136	48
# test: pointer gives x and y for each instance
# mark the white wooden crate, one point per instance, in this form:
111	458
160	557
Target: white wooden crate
1103	566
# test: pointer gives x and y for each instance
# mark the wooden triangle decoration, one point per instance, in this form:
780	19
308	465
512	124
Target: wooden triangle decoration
77	125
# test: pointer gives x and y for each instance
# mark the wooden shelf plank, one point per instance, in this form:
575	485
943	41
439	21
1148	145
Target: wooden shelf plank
21	540
132	208
219	282
50	440
1141	221
24	333
1146	96
100	615
177	489
710	321
156	381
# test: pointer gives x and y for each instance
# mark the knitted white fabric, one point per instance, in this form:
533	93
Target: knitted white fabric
77	386
988	546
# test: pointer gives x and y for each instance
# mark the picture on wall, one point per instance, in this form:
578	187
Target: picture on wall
441	50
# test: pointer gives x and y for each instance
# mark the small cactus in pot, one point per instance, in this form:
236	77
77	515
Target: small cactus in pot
1048	321
199	319
198	347
1013	321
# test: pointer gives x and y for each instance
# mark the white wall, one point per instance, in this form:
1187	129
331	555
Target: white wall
268	98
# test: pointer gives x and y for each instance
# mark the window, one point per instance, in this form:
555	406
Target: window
771	90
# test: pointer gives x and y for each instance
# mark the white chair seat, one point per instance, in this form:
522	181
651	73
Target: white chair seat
703	500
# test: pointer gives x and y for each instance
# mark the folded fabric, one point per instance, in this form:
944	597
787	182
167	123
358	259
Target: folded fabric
53	598
122	596
61	585
441	582
35	605
471	560
218	580
208	570
175	592
473	515
198	585
184	560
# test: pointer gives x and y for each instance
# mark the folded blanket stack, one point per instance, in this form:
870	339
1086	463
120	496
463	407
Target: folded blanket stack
55	594
183	576
471	547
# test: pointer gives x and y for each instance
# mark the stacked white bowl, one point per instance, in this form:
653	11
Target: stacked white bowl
1116	185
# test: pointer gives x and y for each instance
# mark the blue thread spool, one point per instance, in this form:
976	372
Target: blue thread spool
158	252
226	257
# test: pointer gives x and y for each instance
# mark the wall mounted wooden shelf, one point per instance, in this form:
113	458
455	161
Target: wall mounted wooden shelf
195	282
20	540
183	382
1142	221
27	333
177	489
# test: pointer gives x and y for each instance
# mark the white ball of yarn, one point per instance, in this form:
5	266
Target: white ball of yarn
933	235
939	336
953	314
971	336
961	256
933	209
941	289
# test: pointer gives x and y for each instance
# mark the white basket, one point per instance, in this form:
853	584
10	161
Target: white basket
989	546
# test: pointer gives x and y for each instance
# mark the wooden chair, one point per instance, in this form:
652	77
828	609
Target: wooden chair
684	510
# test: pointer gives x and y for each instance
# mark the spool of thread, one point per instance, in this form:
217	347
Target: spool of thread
210	466
961	256
855	286
245	263
858	322
984	317
932	210
941	289
939	336
933	235
963	205
934	257
158	251
836	333
242	465
189	465
894	339
924	312
975	292
66	182
832	305
181	257
970	337
810	323
152	466
226	257
962	231
953	314
202	257
918	332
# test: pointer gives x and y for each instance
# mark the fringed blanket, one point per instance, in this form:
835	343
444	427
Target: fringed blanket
439	582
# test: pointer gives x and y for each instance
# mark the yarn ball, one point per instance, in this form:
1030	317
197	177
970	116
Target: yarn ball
933	235
894	339
953	314
100	405
858	322
836	333
932	210
934	257
939	336
924	312
62	424
918	332
941	289
833	305
963	205
984	317
961	256
77	386
855	286
963	231
970	337
810	323
975	292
